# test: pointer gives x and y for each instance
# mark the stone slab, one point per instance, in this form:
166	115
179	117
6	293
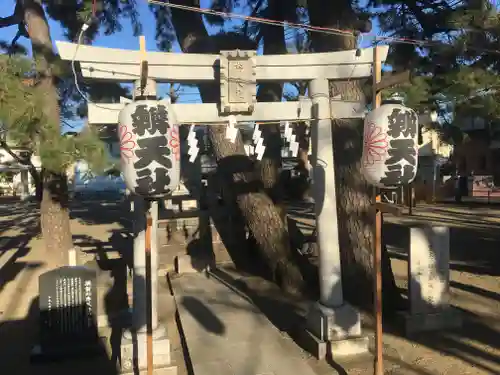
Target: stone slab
428	269
223	328
449	318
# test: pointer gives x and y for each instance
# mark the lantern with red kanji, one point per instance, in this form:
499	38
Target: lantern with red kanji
390	146
149	148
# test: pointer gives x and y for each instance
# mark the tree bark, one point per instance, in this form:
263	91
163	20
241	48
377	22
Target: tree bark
238	171
354	195
270	165
54	209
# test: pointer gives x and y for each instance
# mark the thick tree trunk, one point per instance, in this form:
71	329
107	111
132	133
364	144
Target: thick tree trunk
39	188
37	179
269	168
238	171
270	165
54	219
55	224
354	195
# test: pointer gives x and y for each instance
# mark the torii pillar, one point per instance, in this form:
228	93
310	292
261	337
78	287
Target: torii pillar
333	325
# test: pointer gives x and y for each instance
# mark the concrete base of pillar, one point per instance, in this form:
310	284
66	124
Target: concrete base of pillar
448	318
335	331
134	353
353	347
335	323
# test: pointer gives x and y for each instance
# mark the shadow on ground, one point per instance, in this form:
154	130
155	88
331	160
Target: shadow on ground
96	212
18	339
19	224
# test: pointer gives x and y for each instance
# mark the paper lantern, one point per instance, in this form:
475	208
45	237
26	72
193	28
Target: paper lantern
390	146
149	148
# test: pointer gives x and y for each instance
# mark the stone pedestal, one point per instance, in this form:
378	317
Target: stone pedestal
429	281
448	318
334	323
134	353
334	332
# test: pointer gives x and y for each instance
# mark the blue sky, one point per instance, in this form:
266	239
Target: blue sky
124	39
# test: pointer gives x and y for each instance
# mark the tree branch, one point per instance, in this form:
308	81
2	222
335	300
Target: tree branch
15	19
9	21
254	13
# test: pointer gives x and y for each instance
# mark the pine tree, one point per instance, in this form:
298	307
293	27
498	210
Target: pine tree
455	68
31	112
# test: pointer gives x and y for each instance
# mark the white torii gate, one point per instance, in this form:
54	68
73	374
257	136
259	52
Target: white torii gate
331	319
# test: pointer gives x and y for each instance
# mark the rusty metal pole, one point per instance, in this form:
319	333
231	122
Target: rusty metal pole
378	365
413	200
149	304
377	260
408	192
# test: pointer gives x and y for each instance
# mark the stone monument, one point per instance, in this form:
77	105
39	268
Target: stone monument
68	307
429	281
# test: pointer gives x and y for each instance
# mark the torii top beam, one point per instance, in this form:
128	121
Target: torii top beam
122	65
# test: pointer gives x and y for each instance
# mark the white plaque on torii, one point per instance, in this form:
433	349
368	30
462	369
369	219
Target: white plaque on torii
238	84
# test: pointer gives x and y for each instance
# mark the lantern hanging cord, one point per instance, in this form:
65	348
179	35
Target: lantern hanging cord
316	29
84	28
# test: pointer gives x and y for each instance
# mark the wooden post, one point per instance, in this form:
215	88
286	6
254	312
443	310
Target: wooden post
149	304
144	62
378	366
411	198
